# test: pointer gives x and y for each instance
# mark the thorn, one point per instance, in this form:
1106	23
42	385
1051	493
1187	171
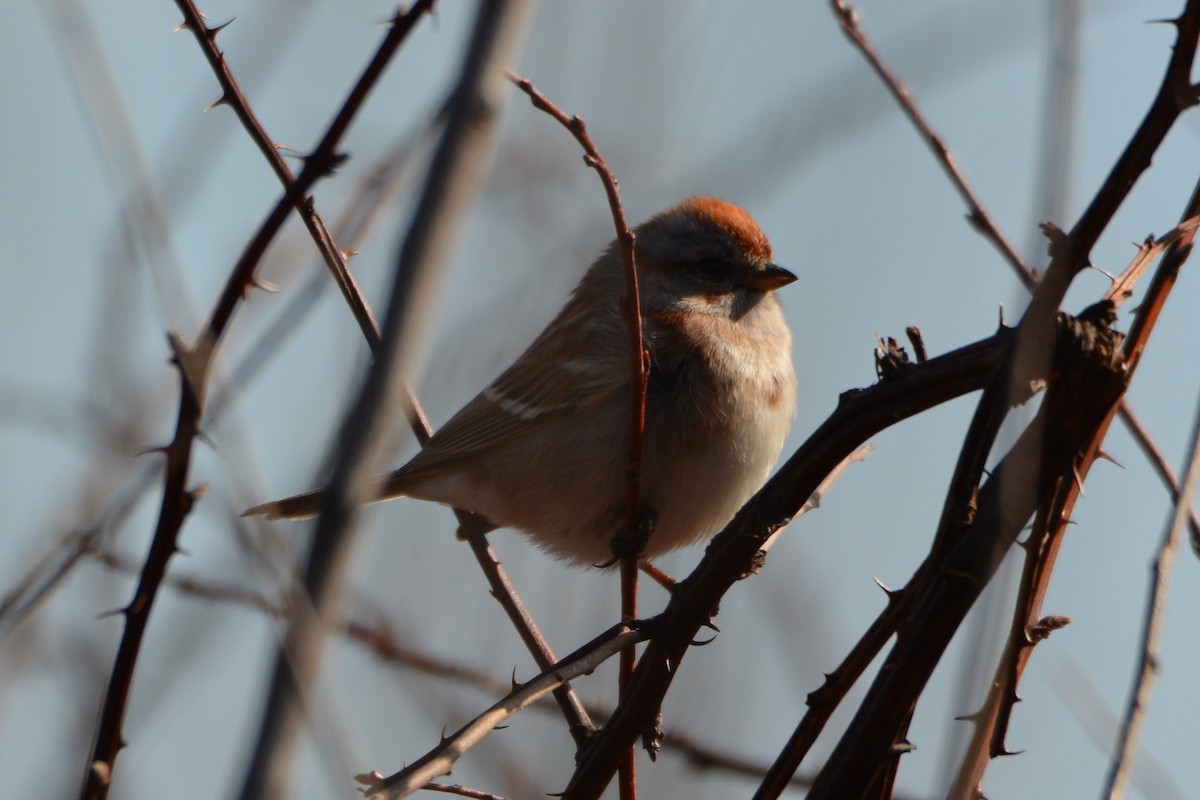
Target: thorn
183	26
712	627
193	364
886	590
1001	309
102	770
1111	278
332	162
265	285
371	779
191	498
918	342
515	683
203	436
702	643
112	612
1104	454
162	448
348	254
442	738
900	748
223	100
1078	480
212	32
1042	629
1056	238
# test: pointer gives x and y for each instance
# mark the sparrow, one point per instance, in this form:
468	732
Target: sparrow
545	448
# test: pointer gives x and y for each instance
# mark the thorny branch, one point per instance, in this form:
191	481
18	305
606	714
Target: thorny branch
440	760
193	363
639	371
471	527
1041	548
450	183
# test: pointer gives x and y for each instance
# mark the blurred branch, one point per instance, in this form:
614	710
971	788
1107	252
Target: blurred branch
354	225
381	641
451	181
324	155
48	573
1139	698
335	260
194	363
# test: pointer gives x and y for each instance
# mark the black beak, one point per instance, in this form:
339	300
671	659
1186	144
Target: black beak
769	278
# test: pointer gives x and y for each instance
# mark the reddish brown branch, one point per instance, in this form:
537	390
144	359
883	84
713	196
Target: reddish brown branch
194	364
848	20
639	370
335	260
324	158
639	363
863	753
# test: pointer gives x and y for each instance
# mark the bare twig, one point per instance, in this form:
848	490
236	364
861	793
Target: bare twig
472	528
335	260
1149	251
452	179
639	370
325	155
1155	608
439	761
848	19
1069	252
1166	473
823	489
382	642
194	364
461	791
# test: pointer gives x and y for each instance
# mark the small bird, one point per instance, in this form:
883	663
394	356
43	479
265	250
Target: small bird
545	448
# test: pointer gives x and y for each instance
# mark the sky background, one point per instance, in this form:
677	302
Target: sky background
764	104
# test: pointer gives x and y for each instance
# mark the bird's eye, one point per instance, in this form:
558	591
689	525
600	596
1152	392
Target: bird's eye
712	270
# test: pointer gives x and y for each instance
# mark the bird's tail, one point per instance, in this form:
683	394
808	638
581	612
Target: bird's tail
300	506
303	506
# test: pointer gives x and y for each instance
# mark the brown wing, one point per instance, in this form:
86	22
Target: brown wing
568	369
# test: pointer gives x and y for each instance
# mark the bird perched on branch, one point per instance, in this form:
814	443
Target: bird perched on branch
546	447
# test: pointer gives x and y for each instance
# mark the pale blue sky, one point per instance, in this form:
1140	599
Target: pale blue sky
764	104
